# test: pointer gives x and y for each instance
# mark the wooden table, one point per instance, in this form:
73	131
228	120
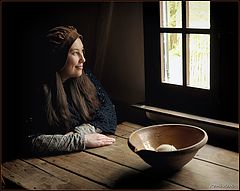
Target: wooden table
116	166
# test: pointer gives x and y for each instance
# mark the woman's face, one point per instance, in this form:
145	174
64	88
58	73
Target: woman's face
74	63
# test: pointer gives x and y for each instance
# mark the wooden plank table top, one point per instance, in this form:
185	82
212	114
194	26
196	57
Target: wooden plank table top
116	166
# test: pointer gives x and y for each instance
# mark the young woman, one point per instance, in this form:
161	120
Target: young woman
73	111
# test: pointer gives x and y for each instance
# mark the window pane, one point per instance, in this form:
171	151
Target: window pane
171	14
198	60
171	58
198	14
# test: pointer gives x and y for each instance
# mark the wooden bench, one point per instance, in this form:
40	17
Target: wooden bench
116	166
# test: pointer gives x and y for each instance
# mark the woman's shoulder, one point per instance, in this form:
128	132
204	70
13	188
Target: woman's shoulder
89	73
92	77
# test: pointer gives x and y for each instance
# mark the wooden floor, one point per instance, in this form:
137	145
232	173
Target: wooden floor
116	166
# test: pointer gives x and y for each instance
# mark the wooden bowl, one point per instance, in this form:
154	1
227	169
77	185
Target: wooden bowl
186	138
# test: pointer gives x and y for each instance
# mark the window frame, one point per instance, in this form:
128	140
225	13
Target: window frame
202	102
183	31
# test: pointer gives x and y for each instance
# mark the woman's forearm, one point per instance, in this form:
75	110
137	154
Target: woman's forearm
72	141
45	144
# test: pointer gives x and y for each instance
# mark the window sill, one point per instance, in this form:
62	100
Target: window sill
185	116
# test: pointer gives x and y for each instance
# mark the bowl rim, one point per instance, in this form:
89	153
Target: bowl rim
195	146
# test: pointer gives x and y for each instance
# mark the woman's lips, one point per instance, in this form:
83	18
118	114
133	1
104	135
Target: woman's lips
80	67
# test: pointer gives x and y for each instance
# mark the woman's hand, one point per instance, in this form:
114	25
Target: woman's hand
97	140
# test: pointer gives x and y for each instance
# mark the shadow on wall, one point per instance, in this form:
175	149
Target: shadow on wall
123	70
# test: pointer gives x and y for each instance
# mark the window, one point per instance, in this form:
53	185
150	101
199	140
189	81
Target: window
185	43
191	54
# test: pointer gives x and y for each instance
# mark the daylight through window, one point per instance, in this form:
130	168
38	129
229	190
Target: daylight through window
185	43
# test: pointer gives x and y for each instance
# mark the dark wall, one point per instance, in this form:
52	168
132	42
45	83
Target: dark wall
25	26
123	68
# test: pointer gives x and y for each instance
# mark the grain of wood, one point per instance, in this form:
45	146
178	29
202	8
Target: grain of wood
219	156
202	175
121	153
91	167
30	177
132	125
78	181
107	172
116	166
124	131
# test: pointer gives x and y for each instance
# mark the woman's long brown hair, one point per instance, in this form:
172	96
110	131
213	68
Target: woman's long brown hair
83	94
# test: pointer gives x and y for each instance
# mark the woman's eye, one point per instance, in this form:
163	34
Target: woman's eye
77	53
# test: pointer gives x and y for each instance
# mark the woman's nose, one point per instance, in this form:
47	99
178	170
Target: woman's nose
82	58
